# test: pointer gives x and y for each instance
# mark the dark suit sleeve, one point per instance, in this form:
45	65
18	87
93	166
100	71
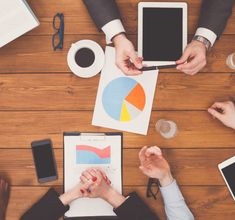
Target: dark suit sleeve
102	11
49	207
214	15
134	208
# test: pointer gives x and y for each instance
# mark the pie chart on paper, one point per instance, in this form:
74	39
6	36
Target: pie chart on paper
123	99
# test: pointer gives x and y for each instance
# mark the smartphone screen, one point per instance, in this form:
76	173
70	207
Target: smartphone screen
229	174
44	160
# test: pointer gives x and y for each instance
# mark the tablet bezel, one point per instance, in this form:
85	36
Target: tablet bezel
143	5
225	164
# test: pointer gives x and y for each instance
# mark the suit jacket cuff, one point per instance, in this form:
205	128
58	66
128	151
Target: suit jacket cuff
208	34
47	208
134	208
113	28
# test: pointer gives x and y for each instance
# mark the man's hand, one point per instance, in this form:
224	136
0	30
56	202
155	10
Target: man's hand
225	112
126	57
195	56
154	165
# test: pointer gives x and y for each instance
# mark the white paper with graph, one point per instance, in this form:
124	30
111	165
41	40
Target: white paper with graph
122	102
92	150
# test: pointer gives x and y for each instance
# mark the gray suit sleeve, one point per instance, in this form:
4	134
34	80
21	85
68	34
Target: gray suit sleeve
215	14
102	11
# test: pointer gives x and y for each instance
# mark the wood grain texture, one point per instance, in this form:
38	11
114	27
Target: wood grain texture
197	129
40	98
187	166
206	202
66	91
30	54
77	20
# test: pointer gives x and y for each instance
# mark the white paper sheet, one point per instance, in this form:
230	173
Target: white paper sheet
73	169
115	88
16	18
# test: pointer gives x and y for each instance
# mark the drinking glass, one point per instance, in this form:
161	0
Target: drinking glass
231	61
168	129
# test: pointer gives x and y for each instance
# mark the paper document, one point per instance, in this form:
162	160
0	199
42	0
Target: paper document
16	18
122	102
82	152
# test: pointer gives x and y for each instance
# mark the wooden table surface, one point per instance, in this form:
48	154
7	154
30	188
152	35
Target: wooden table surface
40	98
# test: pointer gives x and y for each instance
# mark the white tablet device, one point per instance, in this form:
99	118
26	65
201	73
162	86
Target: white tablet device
227	169
162	32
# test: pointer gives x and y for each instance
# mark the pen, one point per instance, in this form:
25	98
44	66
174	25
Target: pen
148	68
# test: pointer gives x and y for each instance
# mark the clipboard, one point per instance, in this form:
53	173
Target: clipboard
80	144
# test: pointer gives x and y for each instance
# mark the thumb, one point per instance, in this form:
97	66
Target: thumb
143	169
215	113
184	57
136	60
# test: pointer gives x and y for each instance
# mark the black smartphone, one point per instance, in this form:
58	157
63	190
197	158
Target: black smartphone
44	161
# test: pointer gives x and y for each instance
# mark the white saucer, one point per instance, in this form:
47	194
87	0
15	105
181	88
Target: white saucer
97	65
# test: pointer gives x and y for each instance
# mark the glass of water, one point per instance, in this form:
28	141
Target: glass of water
167	129
231	61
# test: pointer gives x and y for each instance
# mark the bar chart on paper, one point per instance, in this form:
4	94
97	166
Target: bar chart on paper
92	155
124	99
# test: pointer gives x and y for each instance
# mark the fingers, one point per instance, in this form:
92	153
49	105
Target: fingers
128	68
195	56
184	57
107	180
137	61
219	105
223	105
86	176
215	113
220	109
142	155
84	180
194	65
153	151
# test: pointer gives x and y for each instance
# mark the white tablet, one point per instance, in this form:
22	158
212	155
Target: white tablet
227	169
162	32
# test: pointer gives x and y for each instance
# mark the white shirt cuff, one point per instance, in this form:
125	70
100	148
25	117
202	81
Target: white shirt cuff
208	34
171	193
113	28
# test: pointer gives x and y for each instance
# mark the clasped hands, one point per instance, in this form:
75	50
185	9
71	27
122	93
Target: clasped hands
94	183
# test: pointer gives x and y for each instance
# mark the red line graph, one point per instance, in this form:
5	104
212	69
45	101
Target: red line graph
102	153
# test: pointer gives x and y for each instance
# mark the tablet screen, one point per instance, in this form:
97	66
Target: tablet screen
162	34
229	174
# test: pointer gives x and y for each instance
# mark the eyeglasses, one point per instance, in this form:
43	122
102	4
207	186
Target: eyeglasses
152	188
58	36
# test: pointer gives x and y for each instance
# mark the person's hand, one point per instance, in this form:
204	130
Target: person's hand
101	184
126	57
79	191
225	112
193	58
154	165
101	187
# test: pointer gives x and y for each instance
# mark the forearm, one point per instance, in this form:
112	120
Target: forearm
68	197
102	11
114	198
214	15
175	205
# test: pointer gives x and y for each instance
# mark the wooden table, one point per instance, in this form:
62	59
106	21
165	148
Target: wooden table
40	98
